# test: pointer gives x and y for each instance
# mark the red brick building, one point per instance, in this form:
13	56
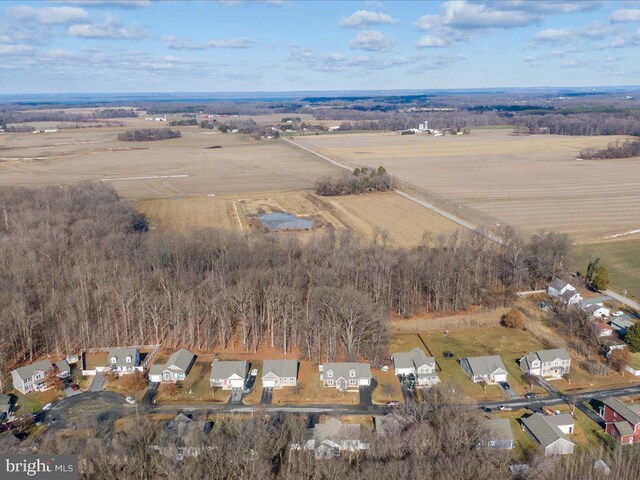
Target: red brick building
622	421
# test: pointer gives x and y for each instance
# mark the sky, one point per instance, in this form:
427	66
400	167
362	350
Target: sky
279	45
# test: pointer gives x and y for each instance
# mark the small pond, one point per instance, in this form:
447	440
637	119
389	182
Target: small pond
285	221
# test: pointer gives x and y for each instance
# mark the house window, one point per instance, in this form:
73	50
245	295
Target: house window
352	381
128	359
329	382
329	373
352	373
492	443
114	359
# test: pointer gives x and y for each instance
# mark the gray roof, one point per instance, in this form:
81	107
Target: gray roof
623	321
499	429
342	369
181	360
221	369
568	295
595	300
412	359
546	356
156	369
280	368
28	370
558	284
631	413
121	354
545	428
485	366
5	403
63	366
593	307
334	430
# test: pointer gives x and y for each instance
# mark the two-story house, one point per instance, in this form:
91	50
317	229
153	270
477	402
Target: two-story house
124	360
548	364
33	376
622	421
345	375
415	362
564	292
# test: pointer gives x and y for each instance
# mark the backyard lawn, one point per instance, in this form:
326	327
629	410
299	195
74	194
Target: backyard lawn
509	344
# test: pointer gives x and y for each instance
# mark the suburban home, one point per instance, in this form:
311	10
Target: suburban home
596	310
563	291
621	324
548	364
345	375
489	369
332	439
6	406
228	374
622	421
32	377
416	363
551	431
124	360
279	373
499	434
176	369
186	436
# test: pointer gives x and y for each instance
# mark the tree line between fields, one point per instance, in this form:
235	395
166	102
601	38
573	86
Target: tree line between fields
438	439
361	180
148	134
80	270
626	149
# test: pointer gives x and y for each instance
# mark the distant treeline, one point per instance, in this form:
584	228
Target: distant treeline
628	149
362	180
183	123
62	116
148	134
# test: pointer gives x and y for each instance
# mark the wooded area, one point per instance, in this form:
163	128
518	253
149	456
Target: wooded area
362	180
80	270
626	149
148	134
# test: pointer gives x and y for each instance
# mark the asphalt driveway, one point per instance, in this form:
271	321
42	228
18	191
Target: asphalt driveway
98	383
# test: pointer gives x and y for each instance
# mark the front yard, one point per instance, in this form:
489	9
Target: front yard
34	401
195	388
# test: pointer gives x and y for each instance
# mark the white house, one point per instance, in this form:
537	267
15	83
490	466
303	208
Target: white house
124	360
176	369
564	292
345	375
33	376
548	364
415	362
488	369
279	373
228	374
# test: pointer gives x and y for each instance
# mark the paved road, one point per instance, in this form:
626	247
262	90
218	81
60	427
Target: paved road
624	300
414	199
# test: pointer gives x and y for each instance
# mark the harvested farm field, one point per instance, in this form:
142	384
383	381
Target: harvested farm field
159	169
532	182
367	215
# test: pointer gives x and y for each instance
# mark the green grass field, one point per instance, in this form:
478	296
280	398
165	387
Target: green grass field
621	257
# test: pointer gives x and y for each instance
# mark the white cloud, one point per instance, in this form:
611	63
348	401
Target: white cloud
112	29
428	22
176	43
550	7
48	15
553	34
431	41
371	40
364	18
625	15
464	15
14	49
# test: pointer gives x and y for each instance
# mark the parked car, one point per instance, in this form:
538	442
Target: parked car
254	372
46	407
505	385
531	396
505	408
617	313
393	403
130	400
75	386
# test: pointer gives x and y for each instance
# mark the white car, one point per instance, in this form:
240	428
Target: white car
254	372
46	407
130	400
617	314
